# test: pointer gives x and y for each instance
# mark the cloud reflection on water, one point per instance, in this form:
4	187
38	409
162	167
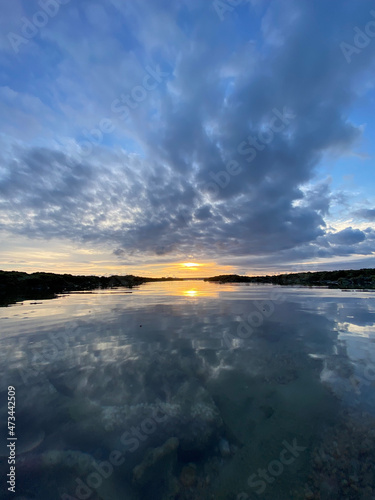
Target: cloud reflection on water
92	357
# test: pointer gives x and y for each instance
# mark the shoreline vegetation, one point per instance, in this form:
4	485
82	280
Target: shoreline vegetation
344	279
17	285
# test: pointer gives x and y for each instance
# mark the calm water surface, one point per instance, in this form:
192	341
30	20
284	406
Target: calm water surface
191	390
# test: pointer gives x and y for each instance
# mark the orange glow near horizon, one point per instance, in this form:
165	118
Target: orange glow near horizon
192	266
99	265
60	257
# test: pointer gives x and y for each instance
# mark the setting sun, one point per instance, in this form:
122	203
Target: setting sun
191	266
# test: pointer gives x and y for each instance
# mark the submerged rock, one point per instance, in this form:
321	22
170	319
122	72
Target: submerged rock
53	460
190	415
79	461
188	476
154	476
224	448
141	473
342	466
28	441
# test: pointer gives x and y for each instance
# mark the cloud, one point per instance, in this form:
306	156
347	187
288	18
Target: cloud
174	179
348	236
366	213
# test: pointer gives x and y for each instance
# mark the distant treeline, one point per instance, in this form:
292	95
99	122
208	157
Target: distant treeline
16	285
362	278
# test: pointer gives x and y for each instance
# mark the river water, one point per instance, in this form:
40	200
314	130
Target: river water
191	390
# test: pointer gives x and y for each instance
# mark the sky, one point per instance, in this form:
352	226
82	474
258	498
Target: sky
235	136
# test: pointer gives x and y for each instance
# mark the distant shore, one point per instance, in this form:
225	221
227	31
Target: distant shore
344	279
15	285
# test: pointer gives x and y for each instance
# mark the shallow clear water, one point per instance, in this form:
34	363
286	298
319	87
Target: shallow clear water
191	390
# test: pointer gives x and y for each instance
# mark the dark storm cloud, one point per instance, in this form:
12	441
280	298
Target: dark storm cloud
227	145
255	207
348	236
366	213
